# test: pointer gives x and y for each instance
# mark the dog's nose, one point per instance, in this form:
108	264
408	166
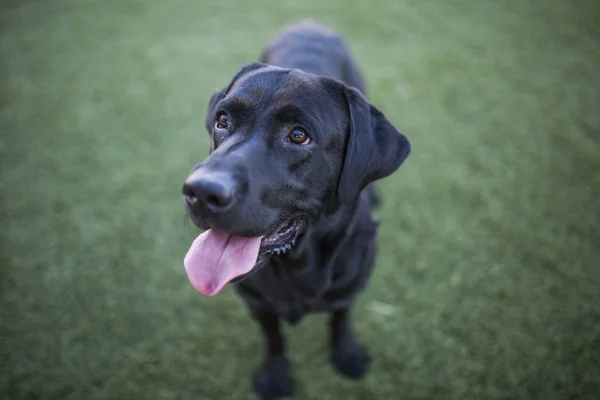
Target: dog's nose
211	189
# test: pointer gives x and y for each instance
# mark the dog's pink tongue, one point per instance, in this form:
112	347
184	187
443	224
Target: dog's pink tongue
215	258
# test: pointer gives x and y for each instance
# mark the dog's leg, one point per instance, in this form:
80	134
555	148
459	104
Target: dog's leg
273	380
347	355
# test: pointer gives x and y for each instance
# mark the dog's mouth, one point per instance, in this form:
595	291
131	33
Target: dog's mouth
216	258
283	238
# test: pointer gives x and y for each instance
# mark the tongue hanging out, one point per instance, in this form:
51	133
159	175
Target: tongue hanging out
215	258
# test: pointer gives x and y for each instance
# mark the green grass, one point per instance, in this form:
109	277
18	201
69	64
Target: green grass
488	281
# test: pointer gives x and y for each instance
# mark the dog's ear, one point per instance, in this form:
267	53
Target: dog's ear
374	148
219	94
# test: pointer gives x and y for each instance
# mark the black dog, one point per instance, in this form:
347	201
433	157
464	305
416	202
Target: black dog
285	195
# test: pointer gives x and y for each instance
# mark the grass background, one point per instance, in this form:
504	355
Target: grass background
488	280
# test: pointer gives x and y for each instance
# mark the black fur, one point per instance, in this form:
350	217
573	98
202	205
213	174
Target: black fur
307	78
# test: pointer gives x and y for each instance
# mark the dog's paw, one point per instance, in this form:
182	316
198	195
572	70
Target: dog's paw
351	360
273	380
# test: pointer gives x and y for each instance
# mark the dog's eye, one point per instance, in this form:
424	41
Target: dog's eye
222	121
298	136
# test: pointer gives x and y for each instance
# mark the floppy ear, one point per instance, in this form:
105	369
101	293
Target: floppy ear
219	94
374	148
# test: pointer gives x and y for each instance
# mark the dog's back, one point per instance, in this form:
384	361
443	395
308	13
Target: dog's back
316	49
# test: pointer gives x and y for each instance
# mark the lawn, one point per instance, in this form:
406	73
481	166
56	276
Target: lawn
487	285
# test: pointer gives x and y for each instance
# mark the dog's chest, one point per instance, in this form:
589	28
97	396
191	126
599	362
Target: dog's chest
289	292
322	273
293	288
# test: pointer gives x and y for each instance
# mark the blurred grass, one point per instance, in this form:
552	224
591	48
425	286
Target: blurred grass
488	279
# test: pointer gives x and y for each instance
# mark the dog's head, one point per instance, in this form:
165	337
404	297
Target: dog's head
287	148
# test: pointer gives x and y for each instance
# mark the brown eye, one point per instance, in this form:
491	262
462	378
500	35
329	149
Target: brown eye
222	121
298	136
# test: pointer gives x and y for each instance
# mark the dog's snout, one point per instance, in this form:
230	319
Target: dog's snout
215	191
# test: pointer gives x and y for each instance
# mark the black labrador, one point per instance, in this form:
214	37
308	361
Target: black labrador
285	195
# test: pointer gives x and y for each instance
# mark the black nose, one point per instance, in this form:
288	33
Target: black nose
211	189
